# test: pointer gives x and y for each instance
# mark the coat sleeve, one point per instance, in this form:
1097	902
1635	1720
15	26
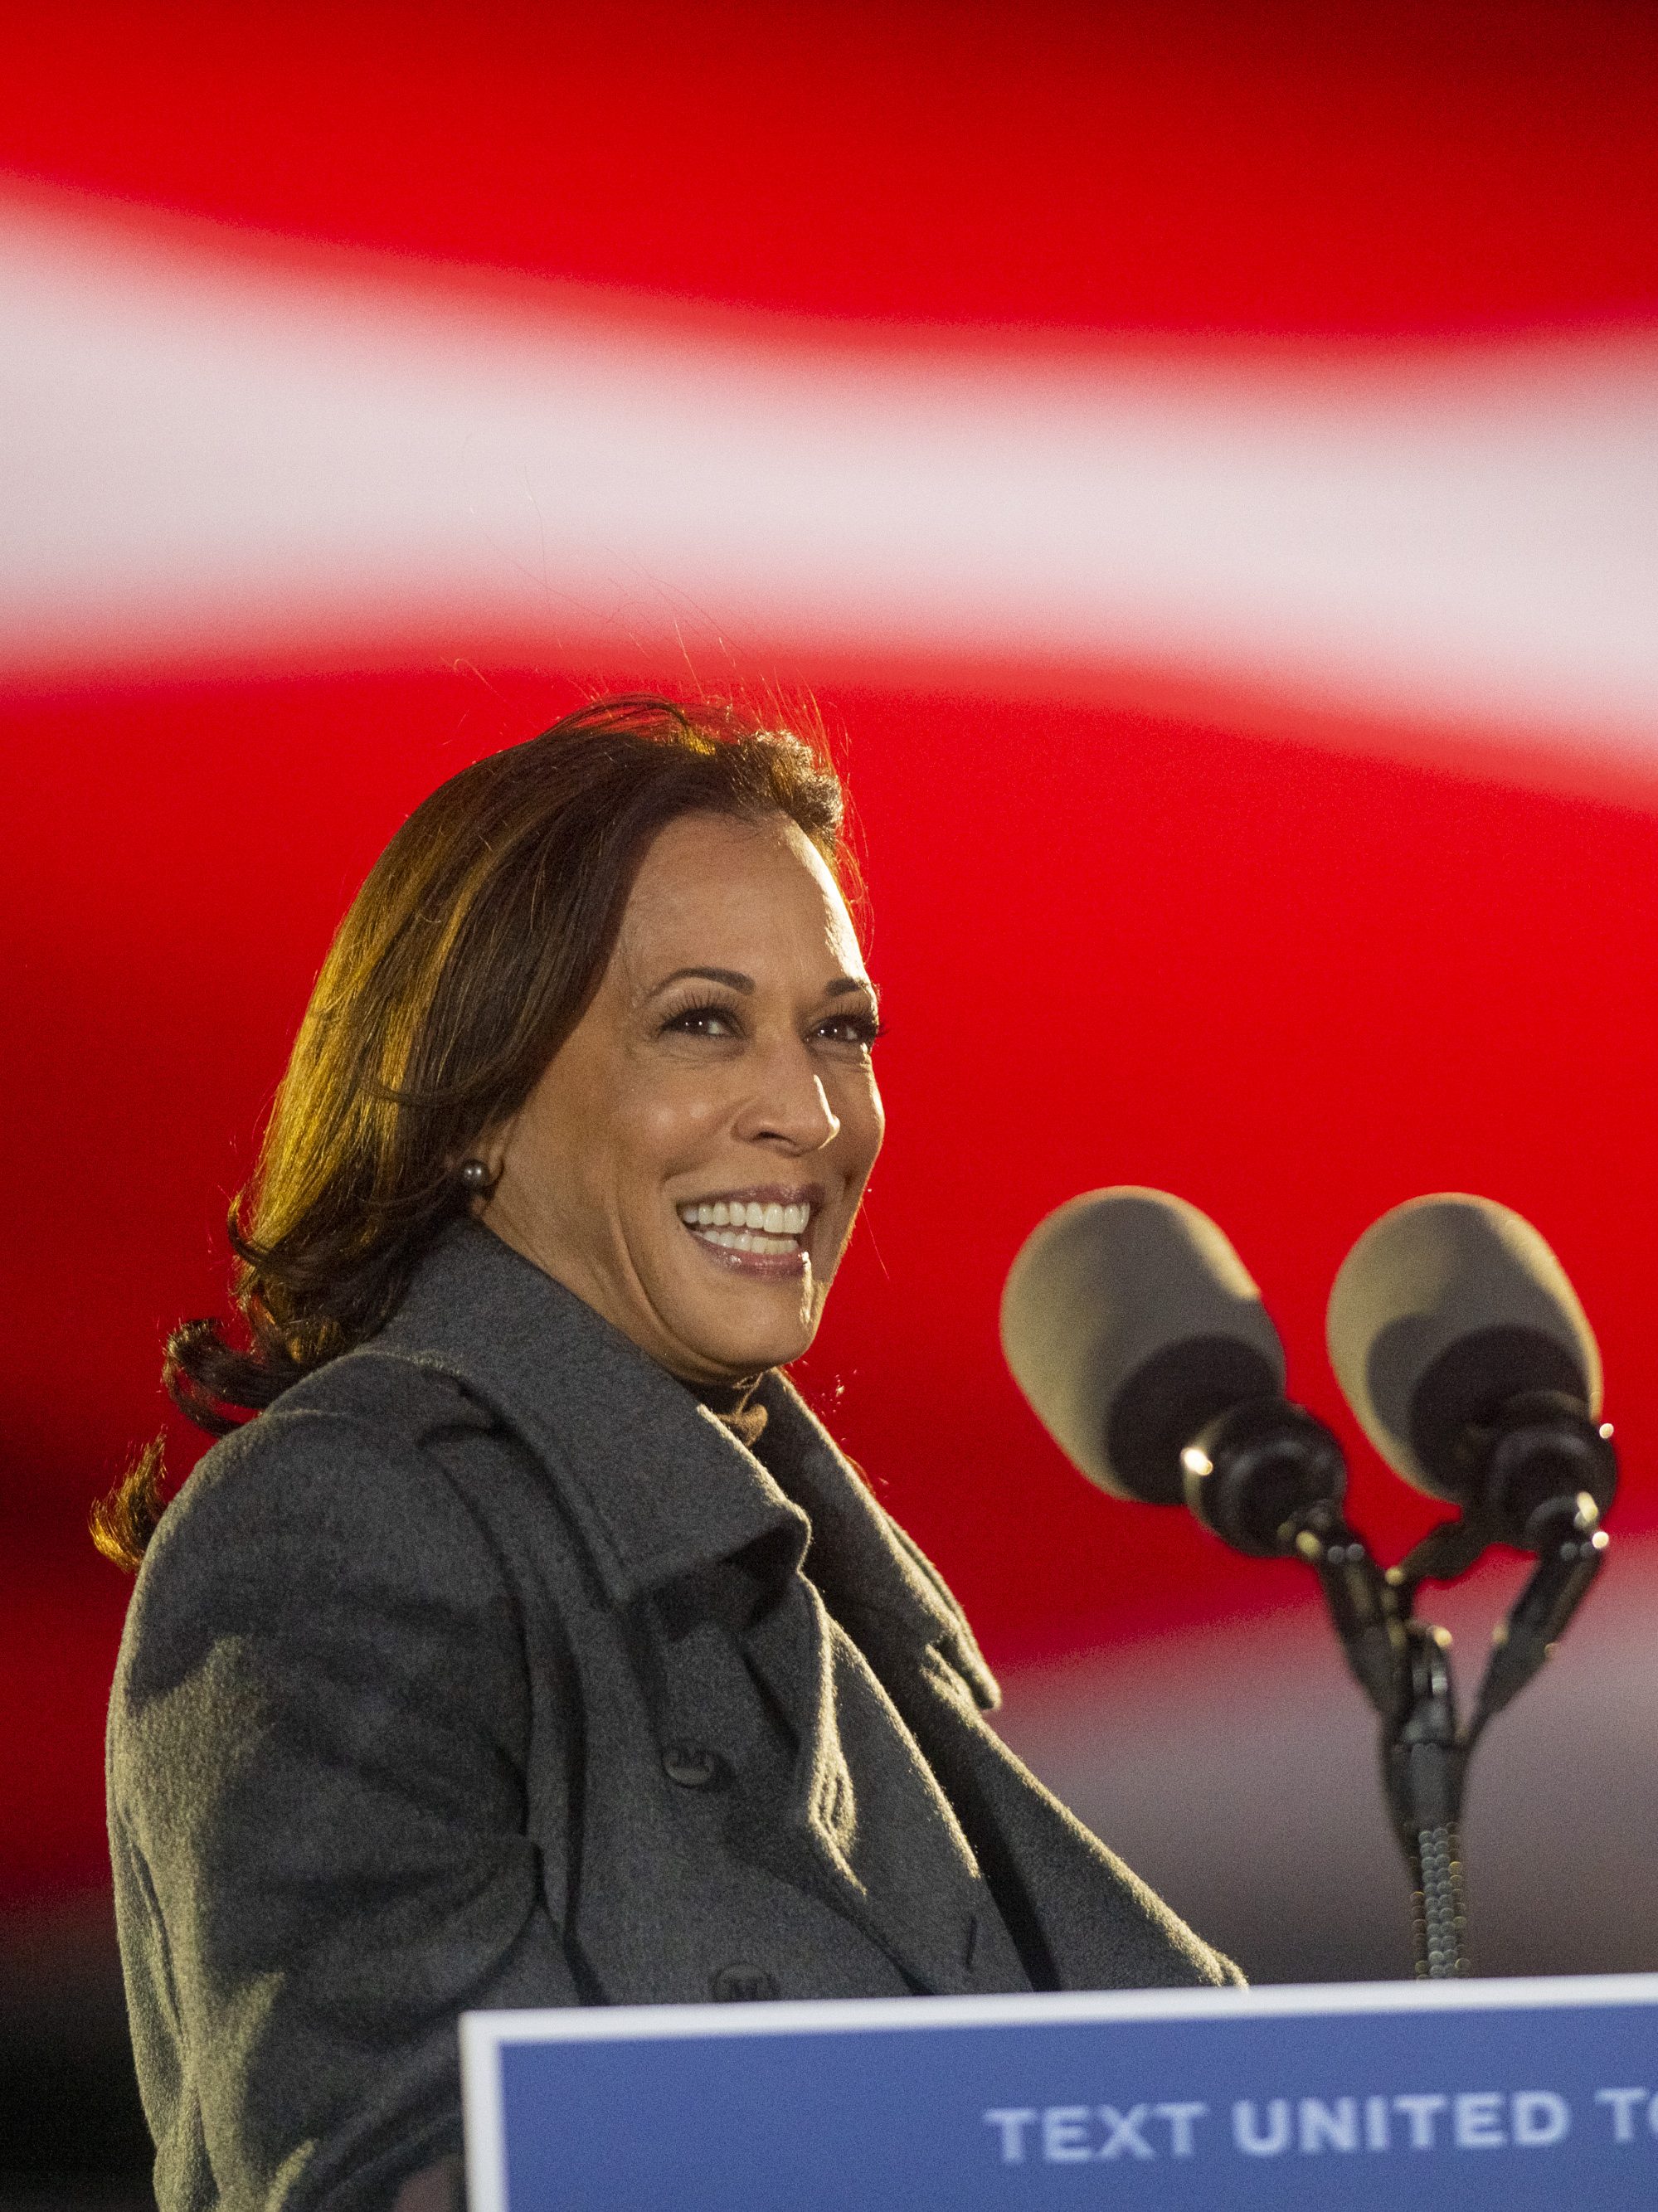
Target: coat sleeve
318	1748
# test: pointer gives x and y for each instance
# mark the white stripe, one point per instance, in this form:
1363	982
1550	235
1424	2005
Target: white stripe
202	455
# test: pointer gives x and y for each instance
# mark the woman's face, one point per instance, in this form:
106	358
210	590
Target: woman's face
692	1159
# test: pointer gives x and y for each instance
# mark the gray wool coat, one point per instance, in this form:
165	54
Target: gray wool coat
488	1668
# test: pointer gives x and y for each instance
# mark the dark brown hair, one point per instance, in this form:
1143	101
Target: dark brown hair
468	957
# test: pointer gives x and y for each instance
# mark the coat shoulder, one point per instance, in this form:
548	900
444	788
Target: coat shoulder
342	1484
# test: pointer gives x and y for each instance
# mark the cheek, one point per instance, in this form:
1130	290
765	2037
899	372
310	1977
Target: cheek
866	1122
666	1129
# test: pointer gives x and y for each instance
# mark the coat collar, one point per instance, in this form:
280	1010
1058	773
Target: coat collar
656	1484
874	1577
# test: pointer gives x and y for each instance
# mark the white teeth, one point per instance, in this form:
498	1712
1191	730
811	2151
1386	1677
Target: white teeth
746	1240
740	1220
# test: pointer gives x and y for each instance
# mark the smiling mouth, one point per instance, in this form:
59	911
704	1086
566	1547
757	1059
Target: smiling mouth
746	1228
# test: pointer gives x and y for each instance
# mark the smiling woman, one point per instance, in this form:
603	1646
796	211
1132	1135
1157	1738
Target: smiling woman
692	1161
525	1640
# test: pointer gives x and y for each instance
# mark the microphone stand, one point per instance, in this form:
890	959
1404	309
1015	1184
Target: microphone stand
1268	1478
1403	1666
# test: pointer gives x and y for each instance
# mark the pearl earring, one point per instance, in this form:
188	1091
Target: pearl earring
476	1179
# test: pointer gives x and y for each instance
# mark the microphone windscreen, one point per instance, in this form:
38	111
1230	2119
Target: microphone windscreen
1129	1323
1443	1311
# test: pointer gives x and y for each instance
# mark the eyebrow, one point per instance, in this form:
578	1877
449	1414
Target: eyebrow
732	977
842	984
734	980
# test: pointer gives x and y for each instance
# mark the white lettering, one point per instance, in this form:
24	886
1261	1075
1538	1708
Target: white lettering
1012	2121
1538	2118
1247	2133
1065	2134
1125	2128
1419	2111
1182	2122
1482	2119
1329	2127
1623	2103
1479	2121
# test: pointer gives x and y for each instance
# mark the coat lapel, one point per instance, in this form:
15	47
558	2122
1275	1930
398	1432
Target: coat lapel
655	1486
660	1493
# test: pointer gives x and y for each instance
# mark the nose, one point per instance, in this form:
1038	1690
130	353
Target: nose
788	1107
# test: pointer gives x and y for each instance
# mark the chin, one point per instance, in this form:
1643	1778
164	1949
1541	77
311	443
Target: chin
737	1356
744	1345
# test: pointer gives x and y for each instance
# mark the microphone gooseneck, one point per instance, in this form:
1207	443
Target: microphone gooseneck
1462	1349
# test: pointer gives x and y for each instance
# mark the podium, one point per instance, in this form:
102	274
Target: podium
1468	2094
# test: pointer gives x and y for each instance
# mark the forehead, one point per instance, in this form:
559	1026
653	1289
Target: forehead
710	885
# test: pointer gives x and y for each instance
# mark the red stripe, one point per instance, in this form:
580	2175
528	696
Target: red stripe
1191	166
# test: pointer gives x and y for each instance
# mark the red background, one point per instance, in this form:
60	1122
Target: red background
1294	968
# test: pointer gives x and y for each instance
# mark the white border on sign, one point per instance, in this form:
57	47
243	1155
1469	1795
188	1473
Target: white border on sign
484	2131
484	2035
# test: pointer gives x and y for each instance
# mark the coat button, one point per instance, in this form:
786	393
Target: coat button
743	1985
690	1766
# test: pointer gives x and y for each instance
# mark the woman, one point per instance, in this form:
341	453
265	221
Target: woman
534	1645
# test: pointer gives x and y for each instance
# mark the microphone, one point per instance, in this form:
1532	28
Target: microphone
1142	1345
1462	1349
1136	1334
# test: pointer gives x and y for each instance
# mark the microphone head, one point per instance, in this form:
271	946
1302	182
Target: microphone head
1130	1323
1446	1310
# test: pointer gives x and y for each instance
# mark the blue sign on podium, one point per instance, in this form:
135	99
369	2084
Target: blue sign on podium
1466	2095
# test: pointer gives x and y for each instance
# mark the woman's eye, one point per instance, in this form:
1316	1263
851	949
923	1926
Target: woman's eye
850	1028
702	1021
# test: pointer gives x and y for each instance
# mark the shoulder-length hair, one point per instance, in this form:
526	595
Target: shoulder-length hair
470	954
